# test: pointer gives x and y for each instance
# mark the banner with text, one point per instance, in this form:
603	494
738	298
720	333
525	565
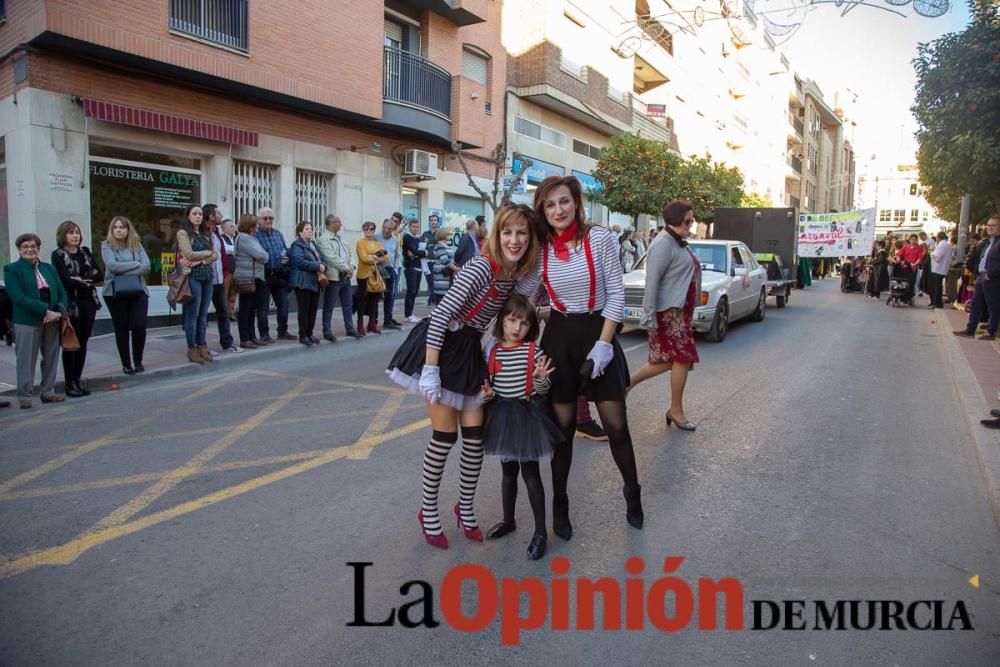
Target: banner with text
849	234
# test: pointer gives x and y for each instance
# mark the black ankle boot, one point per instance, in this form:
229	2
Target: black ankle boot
633	507
73	389
536	548
560	517
500	529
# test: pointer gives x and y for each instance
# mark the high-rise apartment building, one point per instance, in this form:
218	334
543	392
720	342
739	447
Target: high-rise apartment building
141	108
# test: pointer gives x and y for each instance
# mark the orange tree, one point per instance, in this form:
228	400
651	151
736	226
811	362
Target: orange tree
637	176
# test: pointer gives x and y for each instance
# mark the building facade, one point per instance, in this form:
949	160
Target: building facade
139	109
897	196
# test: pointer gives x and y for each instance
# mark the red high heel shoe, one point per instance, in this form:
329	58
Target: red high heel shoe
439	541
474	534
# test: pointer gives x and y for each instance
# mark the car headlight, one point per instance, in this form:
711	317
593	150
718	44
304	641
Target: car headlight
704	298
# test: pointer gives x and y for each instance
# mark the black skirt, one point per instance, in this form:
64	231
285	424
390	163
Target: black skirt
461	363
567	341
519	429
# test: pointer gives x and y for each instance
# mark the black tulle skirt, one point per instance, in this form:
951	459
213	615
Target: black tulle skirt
461	363
520	430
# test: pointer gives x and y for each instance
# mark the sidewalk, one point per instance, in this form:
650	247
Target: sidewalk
166	352
975	365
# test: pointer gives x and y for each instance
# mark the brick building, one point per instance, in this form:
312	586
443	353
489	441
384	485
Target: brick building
141	108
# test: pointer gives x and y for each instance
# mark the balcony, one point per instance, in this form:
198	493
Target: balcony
796	167
416	94
222	22
459	12
796	124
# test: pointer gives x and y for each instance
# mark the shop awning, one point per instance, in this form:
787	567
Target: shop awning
153	120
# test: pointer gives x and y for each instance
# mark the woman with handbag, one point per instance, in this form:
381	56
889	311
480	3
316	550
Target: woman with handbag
126	266
306	270
78	272
198	255
371	256
248	277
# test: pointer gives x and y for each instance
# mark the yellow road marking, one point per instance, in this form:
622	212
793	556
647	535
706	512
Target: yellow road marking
70	551
378	424
199	461
87	447
340	383
45	414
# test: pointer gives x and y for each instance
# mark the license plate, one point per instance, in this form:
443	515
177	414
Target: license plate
633	314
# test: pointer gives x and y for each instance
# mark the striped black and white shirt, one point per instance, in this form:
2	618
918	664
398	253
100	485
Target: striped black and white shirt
472	285
570	280
509	372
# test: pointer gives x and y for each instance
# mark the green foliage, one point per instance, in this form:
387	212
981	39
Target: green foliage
957	108
637	175
754	200
640	175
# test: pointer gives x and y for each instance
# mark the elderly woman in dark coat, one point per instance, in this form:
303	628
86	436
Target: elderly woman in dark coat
673	284
305	262
251	258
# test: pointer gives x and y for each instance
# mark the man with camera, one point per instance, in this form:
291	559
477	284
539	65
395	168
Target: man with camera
276	274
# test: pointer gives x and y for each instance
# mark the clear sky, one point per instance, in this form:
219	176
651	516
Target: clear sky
869	51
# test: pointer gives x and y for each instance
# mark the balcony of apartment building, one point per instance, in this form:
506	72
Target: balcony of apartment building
795	127
793	164
459	12
651	121
549	78
416	94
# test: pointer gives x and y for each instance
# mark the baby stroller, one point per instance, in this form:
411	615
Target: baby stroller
901	286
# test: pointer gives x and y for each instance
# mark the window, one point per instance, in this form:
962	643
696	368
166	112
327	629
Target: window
924	216
913	190
899	215
459	209
914	215
583	148
221	21
312	196
393	34
253	187
885	215
475	66
539	132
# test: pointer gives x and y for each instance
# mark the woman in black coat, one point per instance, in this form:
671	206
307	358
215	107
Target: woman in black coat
878	276
78	272
305	262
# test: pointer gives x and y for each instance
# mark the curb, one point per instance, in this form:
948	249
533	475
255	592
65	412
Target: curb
227	360
987	442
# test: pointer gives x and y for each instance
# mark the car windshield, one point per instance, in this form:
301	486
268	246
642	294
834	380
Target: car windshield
711	257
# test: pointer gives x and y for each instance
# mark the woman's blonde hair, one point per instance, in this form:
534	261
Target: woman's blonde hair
442	234
131	241
504	219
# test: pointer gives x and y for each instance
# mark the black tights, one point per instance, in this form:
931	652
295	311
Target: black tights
615	422
536	492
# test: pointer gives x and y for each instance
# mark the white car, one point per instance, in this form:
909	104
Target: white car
733	286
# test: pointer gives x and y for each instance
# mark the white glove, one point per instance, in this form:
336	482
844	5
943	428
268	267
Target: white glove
430	383
601	355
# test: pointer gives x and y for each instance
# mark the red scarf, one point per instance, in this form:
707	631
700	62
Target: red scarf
559	241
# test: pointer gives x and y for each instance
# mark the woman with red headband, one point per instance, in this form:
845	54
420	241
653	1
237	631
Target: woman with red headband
580	268
442	359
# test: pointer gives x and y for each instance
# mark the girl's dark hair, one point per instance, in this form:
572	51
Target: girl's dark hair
674	212
186	221
521	307
545	188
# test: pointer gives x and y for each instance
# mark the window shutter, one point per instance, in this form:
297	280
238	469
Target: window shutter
393	32
474	66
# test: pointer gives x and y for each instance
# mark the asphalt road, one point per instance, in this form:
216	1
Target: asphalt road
208	520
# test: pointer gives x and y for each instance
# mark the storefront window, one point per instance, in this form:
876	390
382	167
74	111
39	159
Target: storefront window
458	209
411	203
152	196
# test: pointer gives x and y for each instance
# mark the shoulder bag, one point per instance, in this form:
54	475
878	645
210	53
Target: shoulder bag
127	284
179	291
67	335
244	285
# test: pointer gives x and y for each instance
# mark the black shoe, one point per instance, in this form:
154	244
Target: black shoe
128	370
995	413
82	385
305	340
265	340
73	390
139	368
391	325
633	508
354	334
536	549
330	337
314	340
286	336
990	423
396	322
591	431
501	529
560	518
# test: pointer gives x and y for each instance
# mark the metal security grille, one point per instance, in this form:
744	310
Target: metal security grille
253	187
220	21
312	196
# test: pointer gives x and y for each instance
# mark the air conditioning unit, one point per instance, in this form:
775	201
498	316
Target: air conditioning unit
420	163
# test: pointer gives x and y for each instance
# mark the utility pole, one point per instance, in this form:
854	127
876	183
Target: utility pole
963	224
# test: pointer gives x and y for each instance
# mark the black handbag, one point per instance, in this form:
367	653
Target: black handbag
127	284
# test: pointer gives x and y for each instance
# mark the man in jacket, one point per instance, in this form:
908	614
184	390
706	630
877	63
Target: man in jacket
429	238
340	268
412	256
468	245
220	270
390	242
275	277
987	294
39	301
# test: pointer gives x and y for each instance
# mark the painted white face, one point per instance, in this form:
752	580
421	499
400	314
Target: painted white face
514	240
560	209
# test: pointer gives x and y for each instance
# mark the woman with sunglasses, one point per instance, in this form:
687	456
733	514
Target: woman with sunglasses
673	284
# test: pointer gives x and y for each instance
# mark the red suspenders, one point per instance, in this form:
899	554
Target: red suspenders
490	293
529	382
556	303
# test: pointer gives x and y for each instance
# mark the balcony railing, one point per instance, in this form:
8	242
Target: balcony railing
795	163
795	122
221	21
410	79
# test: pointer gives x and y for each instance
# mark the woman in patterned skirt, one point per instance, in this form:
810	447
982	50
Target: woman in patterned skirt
673	283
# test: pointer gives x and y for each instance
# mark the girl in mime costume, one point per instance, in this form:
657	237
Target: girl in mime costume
442	359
